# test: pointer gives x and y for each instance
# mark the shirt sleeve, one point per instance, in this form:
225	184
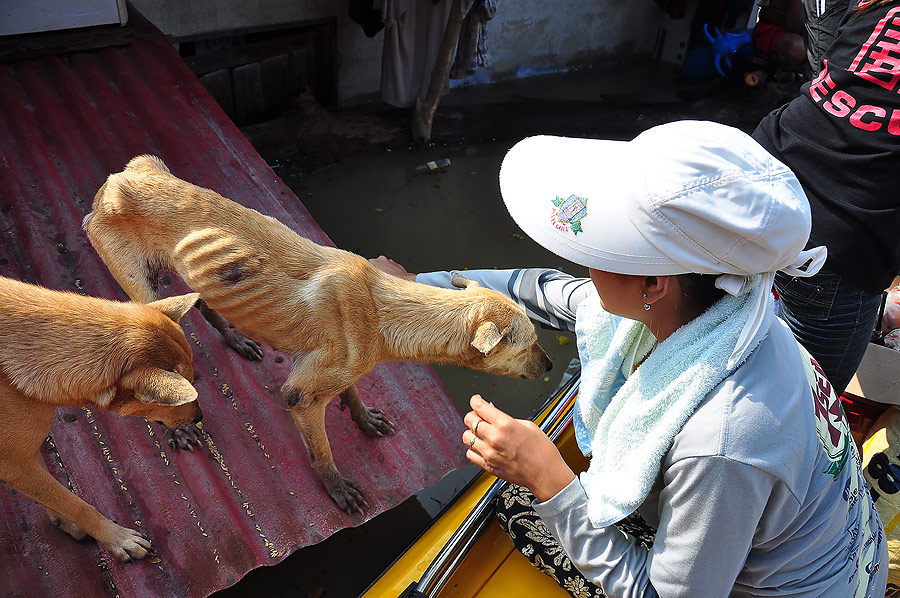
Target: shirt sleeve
709	510
606	556
549	297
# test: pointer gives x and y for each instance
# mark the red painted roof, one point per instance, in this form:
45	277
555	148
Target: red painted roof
249	497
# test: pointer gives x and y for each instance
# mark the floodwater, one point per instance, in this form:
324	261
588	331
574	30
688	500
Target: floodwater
356	174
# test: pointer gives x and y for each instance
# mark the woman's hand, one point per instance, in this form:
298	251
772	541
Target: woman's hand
515	450
386	264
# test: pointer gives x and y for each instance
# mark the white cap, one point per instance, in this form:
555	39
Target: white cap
684	197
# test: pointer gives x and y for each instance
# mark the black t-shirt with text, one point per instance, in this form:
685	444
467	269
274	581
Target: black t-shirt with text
841	138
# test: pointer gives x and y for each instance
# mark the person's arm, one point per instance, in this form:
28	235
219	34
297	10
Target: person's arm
821	20
548	296
606	556
701	545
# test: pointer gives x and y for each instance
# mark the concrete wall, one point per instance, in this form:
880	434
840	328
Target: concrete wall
526	36
51	15
180	18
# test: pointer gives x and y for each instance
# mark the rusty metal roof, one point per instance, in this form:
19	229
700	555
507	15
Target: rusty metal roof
249	497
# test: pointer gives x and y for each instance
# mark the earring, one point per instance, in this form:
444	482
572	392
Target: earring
646	305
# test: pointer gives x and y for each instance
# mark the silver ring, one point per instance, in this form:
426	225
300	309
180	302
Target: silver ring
472	442
475	427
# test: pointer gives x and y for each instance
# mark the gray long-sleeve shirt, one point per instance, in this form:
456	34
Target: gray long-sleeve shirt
748	502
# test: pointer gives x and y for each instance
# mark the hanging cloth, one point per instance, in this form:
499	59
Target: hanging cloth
413	30
472	49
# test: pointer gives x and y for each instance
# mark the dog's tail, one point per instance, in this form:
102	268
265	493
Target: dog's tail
147	162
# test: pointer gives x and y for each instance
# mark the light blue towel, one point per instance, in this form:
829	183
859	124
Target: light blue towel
629	420
609	347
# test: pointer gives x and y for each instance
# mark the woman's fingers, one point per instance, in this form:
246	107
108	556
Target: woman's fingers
491	447
471	420
480	452
484	417
488	412
386	264
475	458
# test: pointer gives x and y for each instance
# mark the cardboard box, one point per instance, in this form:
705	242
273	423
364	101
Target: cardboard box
878	376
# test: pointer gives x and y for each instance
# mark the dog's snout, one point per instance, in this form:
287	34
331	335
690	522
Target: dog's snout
542	358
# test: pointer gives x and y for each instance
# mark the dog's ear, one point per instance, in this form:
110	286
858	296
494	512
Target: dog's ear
487	336
176	307
461	282
154	385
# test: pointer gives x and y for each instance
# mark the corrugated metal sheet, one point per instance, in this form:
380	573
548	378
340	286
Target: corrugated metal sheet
249	497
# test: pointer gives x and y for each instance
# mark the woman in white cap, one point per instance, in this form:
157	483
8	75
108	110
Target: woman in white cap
702	414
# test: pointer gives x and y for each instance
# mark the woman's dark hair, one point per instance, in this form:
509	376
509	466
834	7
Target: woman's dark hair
871	5
701	289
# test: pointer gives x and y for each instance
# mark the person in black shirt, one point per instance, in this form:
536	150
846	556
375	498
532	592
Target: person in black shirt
841	138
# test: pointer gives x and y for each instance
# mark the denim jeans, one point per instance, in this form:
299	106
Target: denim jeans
833	319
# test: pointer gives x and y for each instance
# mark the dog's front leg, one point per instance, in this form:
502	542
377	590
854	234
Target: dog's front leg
35	482
370	420
309	416
184	437
311	385
62	522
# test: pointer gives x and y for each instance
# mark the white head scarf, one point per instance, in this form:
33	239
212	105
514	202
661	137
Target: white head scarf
684	197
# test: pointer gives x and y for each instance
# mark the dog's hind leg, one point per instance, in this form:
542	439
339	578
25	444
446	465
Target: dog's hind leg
138	276
127	259
246	347
370	420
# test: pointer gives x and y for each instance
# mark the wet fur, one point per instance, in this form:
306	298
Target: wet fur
59	348
336	314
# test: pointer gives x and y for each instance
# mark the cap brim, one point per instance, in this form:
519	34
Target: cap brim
571	196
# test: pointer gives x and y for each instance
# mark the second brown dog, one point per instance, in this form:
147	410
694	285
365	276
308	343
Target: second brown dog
59	348
336	314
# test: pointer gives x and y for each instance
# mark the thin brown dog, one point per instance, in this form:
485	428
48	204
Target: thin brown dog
331	310
59	348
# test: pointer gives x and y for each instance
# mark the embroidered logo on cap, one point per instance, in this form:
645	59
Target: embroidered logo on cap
567	213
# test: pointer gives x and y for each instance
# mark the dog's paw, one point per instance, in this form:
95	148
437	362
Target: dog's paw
127	545
184	438
246	347
67	526
348	497
374	423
